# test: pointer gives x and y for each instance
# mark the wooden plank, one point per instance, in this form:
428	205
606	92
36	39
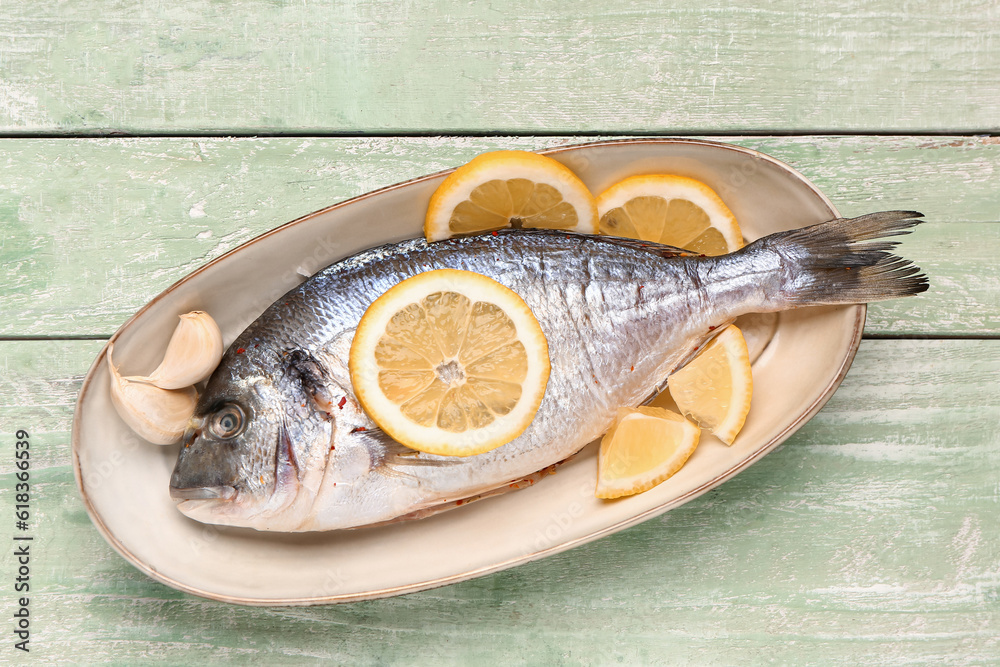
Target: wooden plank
869	538
378	66
93	229
964	298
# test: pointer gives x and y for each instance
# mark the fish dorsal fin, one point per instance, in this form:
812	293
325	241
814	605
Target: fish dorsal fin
666	251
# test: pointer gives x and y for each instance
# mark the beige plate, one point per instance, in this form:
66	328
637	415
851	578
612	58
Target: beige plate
124	480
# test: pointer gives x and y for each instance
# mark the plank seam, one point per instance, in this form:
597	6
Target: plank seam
942	336
334	134
16	339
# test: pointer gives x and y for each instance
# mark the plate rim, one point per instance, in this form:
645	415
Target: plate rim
828	391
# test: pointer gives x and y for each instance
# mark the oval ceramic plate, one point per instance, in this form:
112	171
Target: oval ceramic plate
124	480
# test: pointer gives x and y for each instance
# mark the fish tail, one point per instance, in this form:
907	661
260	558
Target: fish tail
846	260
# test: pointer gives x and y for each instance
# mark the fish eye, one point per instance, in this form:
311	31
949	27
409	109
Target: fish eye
227	422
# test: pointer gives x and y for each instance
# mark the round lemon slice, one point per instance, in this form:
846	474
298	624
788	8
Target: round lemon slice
714	388
510	188
674	210
644	447
450	362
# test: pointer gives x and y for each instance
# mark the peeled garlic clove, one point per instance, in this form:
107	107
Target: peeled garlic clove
158	415
194	351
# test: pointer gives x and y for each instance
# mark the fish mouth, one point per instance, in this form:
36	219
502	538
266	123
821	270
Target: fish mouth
203	493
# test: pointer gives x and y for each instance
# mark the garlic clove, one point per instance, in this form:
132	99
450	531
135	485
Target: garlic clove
194	350
158	415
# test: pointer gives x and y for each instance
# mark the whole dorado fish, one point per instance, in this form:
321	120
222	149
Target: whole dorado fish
278	441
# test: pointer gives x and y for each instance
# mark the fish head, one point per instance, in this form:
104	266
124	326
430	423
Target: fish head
247	450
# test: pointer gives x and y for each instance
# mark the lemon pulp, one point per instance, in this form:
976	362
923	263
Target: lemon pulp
645	447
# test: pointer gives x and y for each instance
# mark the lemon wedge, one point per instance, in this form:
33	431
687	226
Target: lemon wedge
450	362
715	387
675	210
510	188
644	447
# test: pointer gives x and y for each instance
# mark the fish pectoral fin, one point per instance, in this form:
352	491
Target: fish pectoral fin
419	459
515	485
400	455
286	462
390	471
389	454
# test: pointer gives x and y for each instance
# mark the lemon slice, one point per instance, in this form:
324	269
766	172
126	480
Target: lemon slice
510	188
669	209
450	362
714	388
645	447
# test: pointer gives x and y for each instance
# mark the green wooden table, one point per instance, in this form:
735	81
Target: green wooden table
139	140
